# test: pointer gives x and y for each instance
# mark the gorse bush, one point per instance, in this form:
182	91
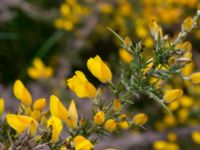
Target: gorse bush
36	126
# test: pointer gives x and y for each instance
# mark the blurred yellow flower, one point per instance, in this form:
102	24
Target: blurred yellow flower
187	24
99	118
1	106
170	120
159	145
127	42
21	93
117	105
110	125
57	108
99	69
81	143
106	8
196	137
171	137
186	46
174	105
56	125
125	56
195	78
81	86
140	119
163	145
39	70
171	95
155	30
186	101
20	123
39	104
72	119
183	114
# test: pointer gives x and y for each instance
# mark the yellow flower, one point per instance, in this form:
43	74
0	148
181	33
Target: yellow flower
57	108
110	125
186	101
155	30
183	115
140	119
65	9
99	69
56	125
36	115
171	137
39	70
170	121
99	118
125	56
106	8
196	137
1	106
187	24
81	143
72	119
163	145
117	105
174	105
195	78
186	46
172	95
20	123
22	93
159	145
39	104
127	42
81	86
123	123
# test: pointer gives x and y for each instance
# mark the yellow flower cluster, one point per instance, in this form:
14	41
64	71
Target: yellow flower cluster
71	14
39	70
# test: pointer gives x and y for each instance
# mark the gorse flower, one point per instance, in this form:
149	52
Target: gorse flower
196	137
72	119
155	30
195	78
117	105
125	55
110	125
20	123
56	125
81	143
172	95
99	69
21	93
57	108
39	104
187	24
39	70
140	119
81	86
99	118
69	116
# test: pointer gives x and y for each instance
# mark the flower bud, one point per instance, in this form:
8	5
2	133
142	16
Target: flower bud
99	118
140	119
110	125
